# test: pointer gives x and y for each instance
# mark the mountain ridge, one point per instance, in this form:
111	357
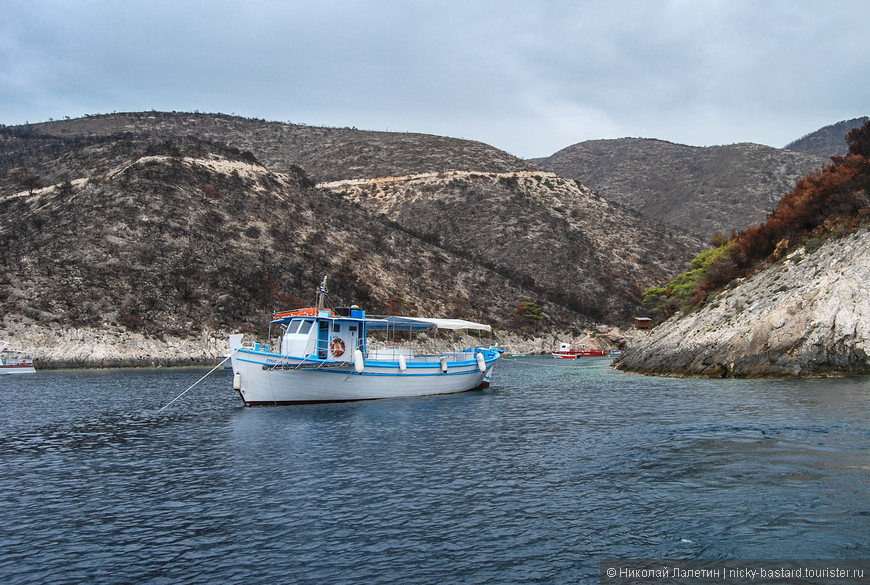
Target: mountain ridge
703	190
827	141
143	238
326	154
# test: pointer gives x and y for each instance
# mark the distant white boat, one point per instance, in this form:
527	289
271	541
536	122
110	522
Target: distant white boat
13	361
327	355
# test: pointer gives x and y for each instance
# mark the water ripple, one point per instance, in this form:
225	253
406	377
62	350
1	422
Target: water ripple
531	481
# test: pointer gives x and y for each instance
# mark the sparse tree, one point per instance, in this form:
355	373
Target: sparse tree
65	188
33	182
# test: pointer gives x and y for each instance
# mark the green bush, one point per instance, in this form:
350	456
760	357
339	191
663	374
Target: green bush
710	269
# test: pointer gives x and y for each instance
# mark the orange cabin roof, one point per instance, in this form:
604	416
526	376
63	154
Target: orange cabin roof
306	312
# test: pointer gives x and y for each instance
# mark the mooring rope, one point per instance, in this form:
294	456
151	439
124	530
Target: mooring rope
198	381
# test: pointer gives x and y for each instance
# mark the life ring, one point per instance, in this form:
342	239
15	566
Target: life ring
337	347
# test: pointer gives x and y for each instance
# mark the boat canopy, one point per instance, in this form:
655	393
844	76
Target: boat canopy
416	324
393	322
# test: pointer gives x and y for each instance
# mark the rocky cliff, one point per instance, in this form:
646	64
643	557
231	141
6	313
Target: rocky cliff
806	315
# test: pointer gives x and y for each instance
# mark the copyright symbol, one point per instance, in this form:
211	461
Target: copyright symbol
611	572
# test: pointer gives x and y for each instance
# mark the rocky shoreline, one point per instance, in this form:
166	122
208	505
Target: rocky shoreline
806	315
114	347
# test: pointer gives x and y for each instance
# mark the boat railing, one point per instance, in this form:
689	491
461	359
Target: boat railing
310	362
15	357
452	356
391	352
373	350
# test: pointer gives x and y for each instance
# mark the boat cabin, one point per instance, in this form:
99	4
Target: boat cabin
323	334
334	334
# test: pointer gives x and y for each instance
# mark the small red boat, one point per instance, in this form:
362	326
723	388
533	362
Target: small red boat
571	351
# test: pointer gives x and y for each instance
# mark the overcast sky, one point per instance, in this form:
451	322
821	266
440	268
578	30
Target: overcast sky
530	77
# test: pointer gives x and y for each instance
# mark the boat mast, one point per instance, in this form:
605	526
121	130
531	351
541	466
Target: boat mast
321	295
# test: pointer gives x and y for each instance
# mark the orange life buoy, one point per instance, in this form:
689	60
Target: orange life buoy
337	347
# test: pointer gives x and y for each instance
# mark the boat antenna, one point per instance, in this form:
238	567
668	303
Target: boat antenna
321	295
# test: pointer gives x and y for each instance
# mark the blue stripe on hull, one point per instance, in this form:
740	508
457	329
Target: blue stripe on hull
264	384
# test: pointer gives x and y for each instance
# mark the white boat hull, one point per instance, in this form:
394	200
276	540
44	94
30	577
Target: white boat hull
13	361
268	379
17	370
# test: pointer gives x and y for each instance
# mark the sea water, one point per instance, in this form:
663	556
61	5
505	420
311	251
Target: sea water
558	465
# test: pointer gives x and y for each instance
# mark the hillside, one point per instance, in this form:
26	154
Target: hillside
552	235
702	190
828	141
140	246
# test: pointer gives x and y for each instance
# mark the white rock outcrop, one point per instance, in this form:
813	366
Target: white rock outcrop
806	315
55	347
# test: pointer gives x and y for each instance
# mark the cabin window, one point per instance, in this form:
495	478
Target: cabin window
352	328
294	325
306	327
336	328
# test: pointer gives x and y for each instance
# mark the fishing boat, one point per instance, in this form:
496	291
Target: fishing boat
337	355
13	361
572	351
